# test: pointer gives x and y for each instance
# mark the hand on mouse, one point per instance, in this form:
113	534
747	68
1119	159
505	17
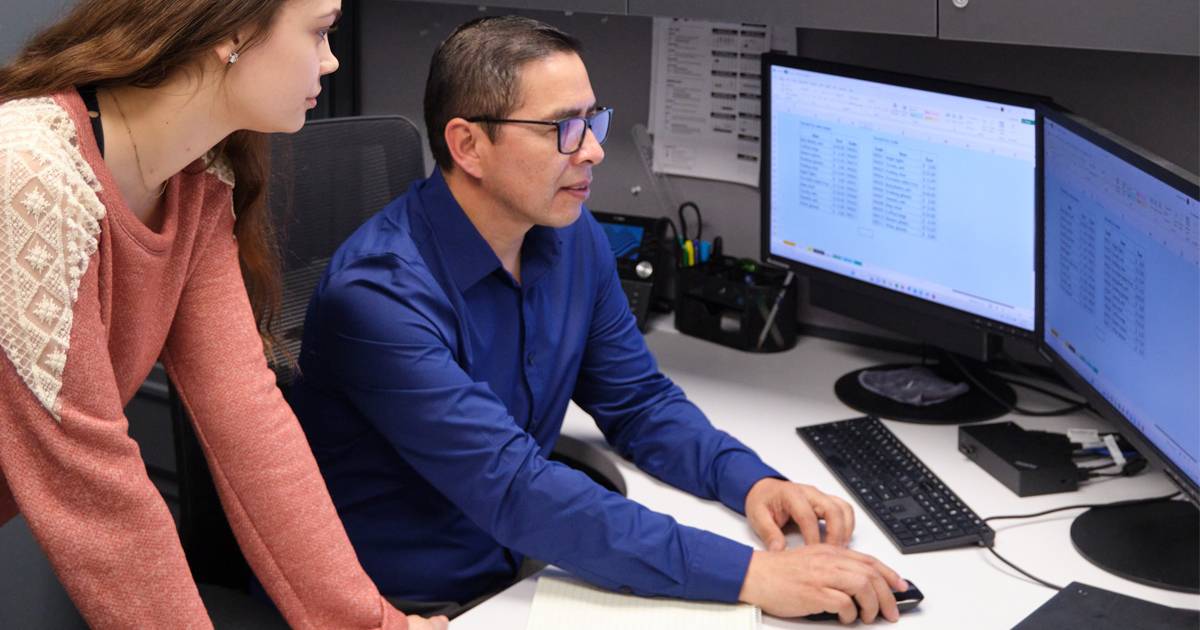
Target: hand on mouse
818	578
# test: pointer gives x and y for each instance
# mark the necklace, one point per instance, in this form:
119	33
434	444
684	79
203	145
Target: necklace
137	157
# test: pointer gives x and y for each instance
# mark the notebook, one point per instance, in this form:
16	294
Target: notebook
562	602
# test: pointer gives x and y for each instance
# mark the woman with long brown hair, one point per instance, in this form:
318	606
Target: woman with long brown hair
133	228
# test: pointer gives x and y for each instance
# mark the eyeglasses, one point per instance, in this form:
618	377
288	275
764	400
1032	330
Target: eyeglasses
571	131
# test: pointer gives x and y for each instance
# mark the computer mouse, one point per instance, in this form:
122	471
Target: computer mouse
905	601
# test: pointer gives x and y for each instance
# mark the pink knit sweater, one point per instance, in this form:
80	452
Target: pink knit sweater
90	298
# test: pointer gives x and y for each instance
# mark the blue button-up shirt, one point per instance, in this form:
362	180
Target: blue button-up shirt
434	389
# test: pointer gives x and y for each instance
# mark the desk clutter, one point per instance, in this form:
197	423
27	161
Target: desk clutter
737	303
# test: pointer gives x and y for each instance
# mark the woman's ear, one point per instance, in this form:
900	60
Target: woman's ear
468	146
227	50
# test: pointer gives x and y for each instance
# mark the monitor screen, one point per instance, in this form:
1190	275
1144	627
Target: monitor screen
625	239
1122	283
926	192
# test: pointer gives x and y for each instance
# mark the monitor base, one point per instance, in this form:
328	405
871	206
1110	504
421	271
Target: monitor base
973	406
1150	543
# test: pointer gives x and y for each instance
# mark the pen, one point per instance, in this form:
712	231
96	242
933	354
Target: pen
787	280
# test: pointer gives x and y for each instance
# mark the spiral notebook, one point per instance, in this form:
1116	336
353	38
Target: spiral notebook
562	602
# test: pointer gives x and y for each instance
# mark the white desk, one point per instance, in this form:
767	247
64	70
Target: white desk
760	399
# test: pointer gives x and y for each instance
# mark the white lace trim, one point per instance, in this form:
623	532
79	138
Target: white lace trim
220	168
50	213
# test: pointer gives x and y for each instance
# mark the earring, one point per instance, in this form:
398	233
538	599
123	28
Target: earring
233	57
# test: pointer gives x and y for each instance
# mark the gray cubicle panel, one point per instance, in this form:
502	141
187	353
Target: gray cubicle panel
902	17
19	19
1162	26
591	6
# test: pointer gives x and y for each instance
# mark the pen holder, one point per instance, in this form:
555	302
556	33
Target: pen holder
727	301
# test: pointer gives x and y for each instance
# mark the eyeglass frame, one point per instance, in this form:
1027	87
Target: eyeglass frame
558	125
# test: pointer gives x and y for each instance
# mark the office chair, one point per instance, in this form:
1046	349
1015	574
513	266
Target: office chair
325	181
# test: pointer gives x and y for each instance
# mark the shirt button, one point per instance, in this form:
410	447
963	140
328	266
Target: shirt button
529	358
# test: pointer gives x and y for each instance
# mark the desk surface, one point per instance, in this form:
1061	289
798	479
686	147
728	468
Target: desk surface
760	399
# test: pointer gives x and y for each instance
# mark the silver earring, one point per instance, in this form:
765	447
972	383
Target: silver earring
233	57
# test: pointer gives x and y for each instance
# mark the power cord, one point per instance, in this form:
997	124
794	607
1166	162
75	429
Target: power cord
1003	403
1025	371
1081	404
991	547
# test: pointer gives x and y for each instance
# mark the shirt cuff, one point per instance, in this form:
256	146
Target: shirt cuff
717	566
740	471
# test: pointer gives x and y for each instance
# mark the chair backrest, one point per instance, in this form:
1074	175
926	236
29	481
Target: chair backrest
326	180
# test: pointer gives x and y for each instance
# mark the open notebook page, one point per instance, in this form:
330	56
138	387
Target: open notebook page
567	603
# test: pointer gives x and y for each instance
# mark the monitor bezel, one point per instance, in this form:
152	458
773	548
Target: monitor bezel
1176	178
942	314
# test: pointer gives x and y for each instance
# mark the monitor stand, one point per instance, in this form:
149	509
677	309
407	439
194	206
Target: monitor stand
973	406
1150	543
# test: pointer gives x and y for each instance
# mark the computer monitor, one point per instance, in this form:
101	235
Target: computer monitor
1121	233
909	204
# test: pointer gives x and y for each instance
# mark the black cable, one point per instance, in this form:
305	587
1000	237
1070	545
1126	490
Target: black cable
683	226
675	247
1027	574
1084	506
1079	404
1022	368
1003	403
1025	371
992	547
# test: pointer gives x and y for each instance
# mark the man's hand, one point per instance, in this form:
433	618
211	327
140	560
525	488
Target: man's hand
433	623
771	503
822	578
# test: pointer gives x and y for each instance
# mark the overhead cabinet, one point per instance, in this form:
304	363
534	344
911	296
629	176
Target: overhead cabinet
1153	26
902	17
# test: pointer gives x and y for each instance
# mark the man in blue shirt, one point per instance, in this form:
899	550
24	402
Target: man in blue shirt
451	331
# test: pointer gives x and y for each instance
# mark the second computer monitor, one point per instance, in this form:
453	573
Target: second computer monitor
1122	325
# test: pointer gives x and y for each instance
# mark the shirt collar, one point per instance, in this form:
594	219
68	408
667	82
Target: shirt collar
467	255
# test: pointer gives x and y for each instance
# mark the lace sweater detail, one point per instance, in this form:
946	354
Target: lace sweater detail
50	214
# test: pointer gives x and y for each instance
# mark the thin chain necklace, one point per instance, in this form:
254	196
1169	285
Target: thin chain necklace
136	155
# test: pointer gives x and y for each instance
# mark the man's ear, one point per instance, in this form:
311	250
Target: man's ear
468	146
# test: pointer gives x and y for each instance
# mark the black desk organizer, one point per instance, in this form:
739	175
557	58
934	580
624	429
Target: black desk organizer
724	303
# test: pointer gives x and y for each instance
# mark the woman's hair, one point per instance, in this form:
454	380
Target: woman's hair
112	43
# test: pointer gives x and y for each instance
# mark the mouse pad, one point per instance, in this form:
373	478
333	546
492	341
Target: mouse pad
1085	607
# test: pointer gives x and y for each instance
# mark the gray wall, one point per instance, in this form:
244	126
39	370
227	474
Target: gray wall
19	19
1152	99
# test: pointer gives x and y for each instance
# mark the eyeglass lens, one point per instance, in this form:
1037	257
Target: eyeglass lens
571	131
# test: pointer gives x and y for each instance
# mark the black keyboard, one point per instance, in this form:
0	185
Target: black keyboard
908	502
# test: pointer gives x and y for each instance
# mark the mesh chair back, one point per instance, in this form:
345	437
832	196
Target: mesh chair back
325	181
